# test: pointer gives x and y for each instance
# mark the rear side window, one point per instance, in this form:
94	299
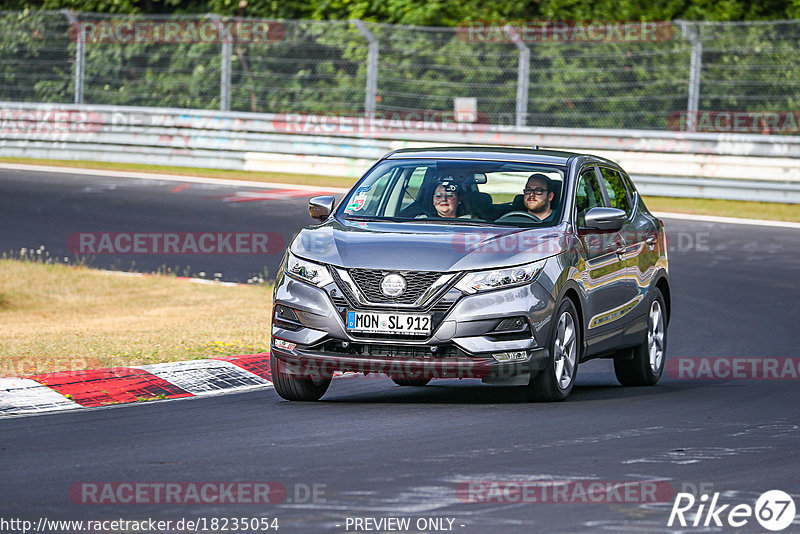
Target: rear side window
615	187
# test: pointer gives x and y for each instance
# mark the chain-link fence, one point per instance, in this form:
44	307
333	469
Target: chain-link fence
535	75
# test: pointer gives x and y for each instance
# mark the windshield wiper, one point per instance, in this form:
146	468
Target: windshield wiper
443	220
368	218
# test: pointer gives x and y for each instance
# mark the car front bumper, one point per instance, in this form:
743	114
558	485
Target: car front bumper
461	344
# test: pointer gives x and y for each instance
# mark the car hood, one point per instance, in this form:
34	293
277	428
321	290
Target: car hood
426	247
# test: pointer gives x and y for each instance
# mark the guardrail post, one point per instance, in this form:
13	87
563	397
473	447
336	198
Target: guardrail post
225	66
80	54
372	66
695	68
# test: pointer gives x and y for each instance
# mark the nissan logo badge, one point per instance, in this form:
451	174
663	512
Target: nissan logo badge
393	285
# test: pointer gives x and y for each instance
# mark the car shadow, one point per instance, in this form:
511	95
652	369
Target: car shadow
474	392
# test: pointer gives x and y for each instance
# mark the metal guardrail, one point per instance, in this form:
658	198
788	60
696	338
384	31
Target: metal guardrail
737	167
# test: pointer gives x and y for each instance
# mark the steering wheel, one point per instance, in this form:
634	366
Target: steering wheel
512	214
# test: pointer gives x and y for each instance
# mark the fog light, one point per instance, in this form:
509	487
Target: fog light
284	312
519	355
285	345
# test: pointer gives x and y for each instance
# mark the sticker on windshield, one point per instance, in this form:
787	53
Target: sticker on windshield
360	198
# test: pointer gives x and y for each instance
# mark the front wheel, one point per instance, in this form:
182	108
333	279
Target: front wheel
295	387
647	364
555	381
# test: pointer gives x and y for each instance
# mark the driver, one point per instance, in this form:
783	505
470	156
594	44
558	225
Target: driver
537	196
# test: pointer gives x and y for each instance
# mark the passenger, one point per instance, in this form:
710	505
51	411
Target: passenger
447	201
537	195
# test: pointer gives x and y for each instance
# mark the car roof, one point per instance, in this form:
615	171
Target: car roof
521	155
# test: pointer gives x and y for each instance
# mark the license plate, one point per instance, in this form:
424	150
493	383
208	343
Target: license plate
388	323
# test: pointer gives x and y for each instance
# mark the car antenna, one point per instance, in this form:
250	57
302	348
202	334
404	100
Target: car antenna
535	147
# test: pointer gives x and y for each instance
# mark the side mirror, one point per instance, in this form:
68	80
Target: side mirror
605	219
321	207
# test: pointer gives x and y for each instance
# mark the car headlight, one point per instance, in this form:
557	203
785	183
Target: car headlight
307	271
499	278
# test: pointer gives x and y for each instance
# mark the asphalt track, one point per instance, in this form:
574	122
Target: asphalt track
378	450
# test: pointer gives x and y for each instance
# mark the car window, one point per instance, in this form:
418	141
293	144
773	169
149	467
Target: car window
615	187
587	195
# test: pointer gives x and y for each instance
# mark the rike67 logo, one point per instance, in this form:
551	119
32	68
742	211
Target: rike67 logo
774	510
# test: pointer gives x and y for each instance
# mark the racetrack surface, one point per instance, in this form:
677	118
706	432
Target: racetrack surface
378	450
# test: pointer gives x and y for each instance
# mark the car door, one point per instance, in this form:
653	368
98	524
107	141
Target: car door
642	250
638	235
605	276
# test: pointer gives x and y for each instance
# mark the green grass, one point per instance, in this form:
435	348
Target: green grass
726	208
65	318
723	208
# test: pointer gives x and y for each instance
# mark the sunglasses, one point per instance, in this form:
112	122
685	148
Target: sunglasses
441	196
534	192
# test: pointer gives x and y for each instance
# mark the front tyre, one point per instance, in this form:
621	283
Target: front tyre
647	364
295	387
555	381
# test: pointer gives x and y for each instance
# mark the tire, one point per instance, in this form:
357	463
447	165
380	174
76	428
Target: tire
293	387
647	364
413	382
555	381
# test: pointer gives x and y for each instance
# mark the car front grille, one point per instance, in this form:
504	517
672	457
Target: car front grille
344	300
369	282
389	351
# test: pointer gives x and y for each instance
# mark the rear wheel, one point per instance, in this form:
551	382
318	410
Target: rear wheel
647	364
414	382
555	381
295	387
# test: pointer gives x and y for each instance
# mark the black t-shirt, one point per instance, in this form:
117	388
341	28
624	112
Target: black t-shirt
549	218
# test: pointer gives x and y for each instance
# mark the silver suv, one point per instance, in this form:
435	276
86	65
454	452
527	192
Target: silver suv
509	265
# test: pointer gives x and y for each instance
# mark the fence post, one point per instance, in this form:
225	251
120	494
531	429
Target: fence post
523	75
372	66
225	66
80	54
695	70
523	81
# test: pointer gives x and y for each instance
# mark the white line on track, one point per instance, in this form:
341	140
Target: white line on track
168	177
726	220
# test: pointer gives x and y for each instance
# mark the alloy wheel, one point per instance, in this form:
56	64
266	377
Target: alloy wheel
565	350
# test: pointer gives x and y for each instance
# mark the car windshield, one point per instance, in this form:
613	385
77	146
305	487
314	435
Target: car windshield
459	191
